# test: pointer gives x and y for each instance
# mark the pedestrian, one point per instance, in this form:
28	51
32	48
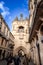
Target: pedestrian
25	61
16	60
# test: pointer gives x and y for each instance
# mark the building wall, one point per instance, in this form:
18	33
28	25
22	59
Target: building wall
21	36
36	44
40	41
33	8
5	39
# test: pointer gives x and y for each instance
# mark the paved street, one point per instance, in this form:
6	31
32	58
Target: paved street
3	62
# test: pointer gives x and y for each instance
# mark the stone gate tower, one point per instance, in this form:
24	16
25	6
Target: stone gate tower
20	30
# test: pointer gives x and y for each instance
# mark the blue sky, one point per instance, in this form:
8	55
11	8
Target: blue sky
12	8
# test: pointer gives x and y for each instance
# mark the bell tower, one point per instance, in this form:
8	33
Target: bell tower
20	30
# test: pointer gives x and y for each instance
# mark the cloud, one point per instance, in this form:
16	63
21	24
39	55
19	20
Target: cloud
25	5
5	10
9	17
27	2
5	13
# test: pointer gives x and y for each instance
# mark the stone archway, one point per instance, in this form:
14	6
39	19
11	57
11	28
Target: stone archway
21	48
22	52
23	58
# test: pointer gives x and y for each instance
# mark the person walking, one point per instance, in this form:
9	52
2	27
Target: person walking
16	60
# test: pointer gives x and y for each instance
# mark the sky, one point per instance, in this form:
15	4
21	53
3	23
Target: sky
12	8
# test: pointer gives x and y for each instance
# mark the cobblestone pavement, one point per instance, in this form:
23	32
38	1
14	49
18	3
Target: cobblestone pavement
3	62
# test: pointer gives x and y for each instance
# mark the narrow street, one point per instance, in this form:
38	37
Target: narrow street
5	63
21	32
17	60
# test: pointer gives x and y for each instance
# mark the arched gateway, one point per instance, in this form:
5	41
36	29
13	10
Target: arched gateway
20	31
21	49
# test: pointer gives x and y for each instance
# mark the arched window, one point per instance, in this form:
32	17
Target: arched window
41	30
0	52
21	29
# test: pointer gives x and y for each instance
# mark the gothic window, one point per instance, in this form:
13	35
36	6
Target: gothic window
7	33
4	29
2	42
3	54
21	29
41	29
42	39
5	43
0	53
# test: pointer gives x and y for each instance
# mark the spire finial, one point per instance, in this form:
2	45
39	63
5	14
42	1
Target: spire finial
16	18
21	16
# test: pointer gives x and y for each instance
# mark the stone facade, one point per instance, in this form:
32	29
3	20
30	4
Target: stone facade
20	30
6	38
26	36
36	32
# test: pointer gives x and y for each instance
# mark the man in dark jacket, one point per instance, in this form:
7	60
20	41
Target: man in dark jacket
16	60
